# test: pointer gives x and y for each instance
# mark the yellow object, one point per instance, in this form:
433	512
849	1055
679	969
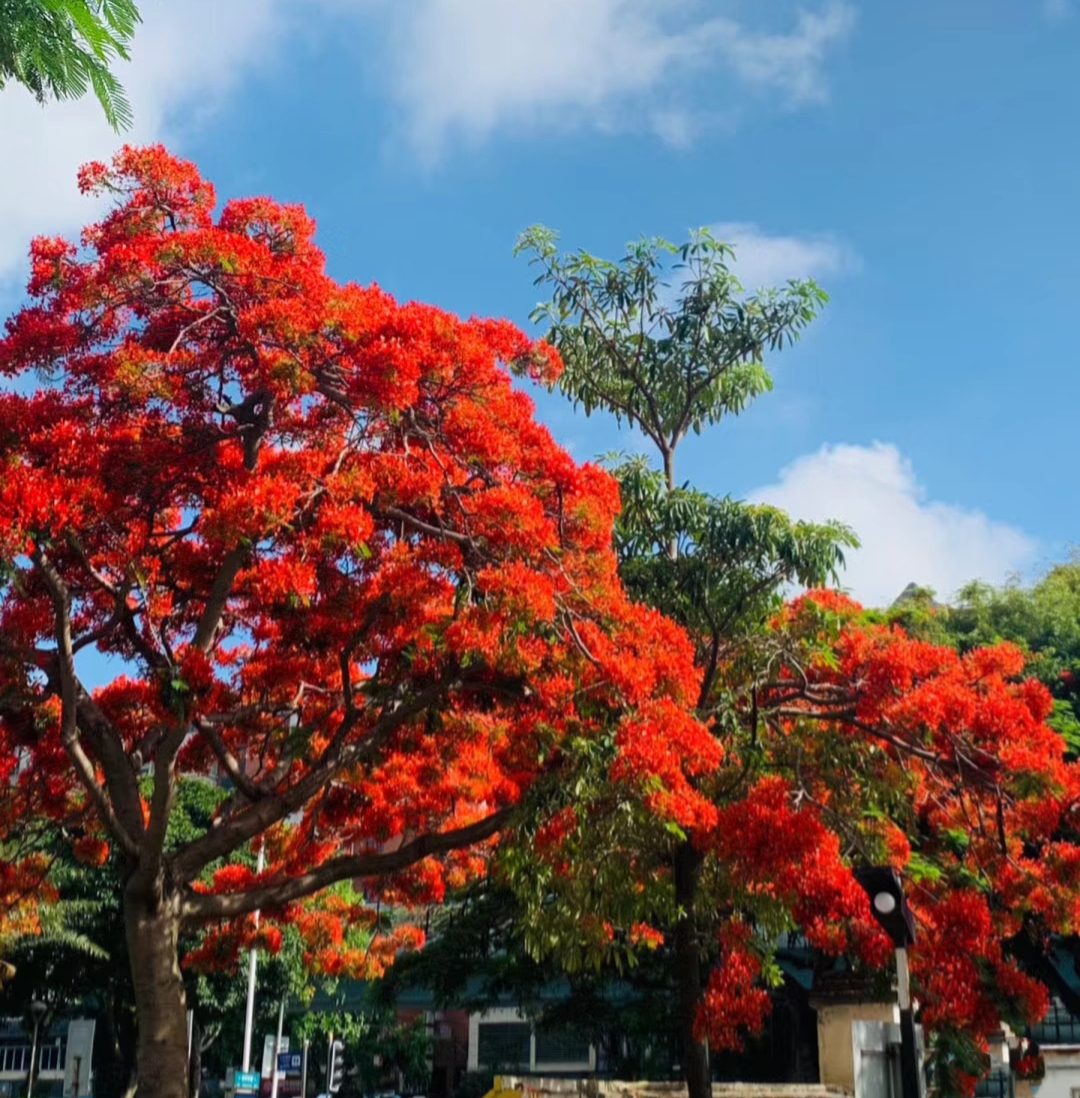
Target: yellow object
500	1091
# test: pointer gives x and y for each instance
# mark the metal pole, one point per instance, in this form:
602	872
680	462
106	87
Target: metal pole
329	1053
909	1058
30	1080
252	962
303	1069
277	1049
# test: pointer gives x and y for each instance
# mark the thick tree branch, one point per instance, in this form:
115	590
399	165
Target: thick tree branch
218	597
425	527
161	802
69	704
196	907
191	859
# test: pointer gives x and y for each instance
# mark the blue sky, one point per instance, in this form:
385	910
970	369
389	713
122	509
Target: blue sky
919	159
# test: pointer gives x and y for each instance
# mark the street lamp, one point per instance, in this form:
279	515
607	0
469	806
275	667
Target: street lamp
37	1012
882	884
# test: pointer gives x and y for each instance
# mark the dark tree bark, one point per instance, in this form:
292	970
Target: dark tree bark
693	1054
153	931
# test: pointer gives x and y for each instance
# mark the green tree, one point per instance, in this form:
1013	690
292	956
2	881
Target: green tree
61	49
1044	618
668	341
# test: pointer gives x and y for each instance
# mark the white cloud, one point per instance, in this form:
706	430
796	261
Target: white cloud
762	259
790	62
467	68
186	57
1056	11
905	536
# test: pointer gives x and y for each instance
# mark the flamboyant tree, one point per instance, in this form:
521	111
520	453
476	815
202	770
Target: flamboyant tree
330	559
837	739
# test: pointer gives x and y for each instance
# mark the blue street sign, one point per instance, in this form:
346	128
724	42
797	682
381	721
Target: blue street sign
290	1063
246	1081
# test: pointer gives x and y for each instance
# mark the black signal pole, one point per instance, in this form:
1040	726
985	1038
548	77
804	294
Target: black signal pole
882	884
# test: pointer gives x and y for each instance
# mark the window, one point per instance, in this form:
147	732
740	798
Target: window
503	1044
561	1046
14	1057
52	1057
995	1085
1059	1027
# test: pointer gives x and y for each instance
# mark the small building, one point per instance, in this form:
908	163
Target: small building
65	1048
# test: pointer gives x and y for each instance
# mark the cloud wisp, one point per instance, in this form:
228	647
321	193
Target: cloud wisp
1056	11
466	69
905	536
770	259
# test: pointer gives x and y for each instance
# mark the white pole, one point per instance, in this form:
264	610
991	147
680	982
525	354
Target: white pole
33	1056
277	1048
252	962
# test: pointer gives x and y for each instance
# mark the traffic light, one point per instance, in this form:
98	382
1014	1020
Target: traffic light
335	1068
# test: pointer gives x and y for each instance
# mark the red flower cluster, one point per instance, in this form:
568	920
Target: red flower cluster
733	1004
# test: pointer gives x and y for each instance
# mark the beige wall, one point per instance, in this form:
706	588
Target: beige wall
1062	1073
836	1044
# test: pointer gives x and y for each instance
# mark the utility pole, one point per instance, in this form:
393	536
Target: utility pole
37	1012
909	1060
277	1049
253	961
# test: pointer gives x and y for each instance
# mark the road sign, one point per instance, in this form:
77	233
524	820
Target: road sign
290	1063
268	1053
246	1082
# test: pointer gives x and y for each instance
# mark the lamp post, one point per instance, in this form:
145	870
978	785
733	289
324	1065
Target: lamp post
37	1012
882	884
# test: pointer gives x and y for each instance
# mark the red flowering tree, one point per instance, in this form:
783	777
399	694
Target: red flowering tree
333	562
972	796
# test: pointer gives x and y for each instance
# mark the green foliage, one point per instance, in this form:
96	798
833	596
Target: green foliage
477	958
381	1053
61	49
716	566
80	960
667	358
1044	619
956	1061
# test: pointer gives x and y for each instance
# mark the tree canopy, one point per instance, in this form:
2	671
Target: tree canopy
341	567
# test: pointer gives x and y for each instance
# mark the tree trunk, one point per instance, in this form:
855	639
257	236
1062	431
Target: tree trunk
153	930
693	1054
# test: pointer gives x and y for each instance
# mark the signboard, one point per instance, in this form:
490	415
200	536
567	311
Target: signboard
80	1050
268	1053
246	1082
290	1063
287	1087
